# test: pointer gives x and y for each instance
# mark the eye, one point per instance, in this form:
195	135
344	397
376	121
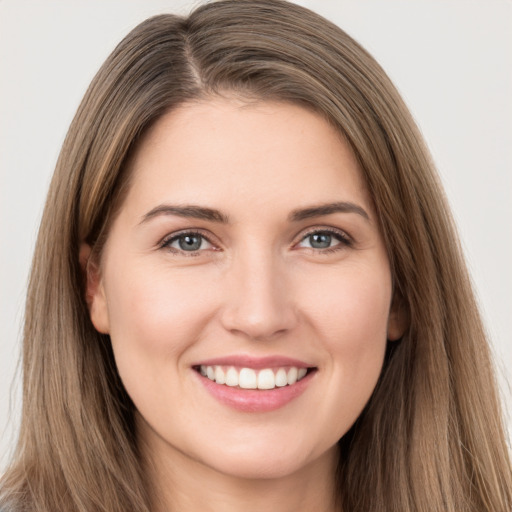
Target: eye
190	242
325	239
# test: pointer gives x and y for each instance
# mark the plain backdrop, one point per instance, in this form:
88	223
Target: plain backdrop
451	60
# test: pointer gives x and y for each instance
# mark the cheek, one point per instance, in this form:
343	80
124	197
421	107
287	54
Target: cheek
350	316
361	326
349	305
155	315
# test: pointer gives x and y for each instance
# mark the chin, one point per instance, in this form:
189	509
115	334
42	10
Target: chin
265	462
259	468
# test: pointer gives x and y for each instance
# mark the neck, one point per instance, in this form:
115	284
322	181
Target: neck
178	483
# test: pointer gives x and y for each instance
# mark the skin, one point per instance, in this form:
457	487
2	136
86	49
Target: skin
256	287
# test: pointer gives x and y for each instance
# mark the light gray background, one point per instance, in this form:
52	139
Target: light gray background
452	61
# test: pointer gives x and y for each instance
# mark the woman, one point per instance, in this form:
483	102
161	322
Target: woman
242	292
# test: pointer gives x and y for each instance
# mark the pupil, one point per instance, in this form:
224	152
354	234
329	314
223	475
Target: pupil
190	242
320	241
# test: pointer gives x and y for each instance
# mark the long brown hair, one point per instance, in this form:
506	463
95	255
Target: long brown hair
431	437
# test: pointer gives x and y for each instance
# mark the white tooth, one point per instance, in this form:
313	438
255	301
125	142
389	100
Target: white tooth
281	379
202	369
220	376
232	377
210	372
266	379
292	375
247	379
301	373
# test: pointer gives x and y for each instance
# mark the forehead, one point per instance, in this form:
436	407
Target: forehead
257	153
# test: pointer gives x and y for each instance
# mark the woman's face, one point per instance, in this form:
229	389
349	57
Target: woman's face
247	249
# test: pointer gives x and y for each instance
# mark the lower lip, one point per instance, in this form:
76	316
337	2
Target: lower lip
255	400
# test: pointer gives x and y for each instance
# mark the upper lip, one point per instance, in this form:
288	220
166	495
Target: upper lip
257	363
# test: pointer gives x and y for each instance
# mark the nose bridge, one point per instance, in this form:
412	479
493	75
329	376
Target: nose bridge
258	300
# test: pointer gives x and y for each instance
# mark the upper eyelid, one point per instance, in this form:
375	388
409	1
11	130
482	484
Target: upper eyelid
325	229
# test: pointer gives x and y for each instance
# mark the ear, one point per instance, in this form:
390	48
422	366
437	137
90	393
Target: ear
94	290
398	320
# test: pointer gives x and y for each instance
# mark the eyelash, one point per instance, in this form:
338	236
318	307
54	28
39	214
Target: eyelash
166	242
340	236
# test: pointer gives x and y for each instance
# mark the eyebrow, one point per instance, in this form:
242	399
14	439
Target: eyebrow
327	209
190	211
213	215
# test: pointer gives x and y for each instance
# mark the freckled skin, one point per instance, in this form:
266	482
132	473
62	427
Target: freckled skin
256	286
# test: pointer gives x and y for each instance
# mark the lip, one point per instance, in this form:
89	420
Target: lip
255	400
256	363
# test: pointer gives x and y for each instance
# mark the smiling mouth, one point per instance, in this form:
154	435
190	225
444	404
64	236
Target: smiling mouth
249	378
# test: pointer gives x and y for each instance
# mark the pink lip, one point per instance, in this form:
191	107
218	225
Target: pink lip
255	400
257	363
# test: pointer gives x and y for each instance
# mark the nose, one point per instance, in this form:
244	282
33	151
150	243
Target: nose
259	301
